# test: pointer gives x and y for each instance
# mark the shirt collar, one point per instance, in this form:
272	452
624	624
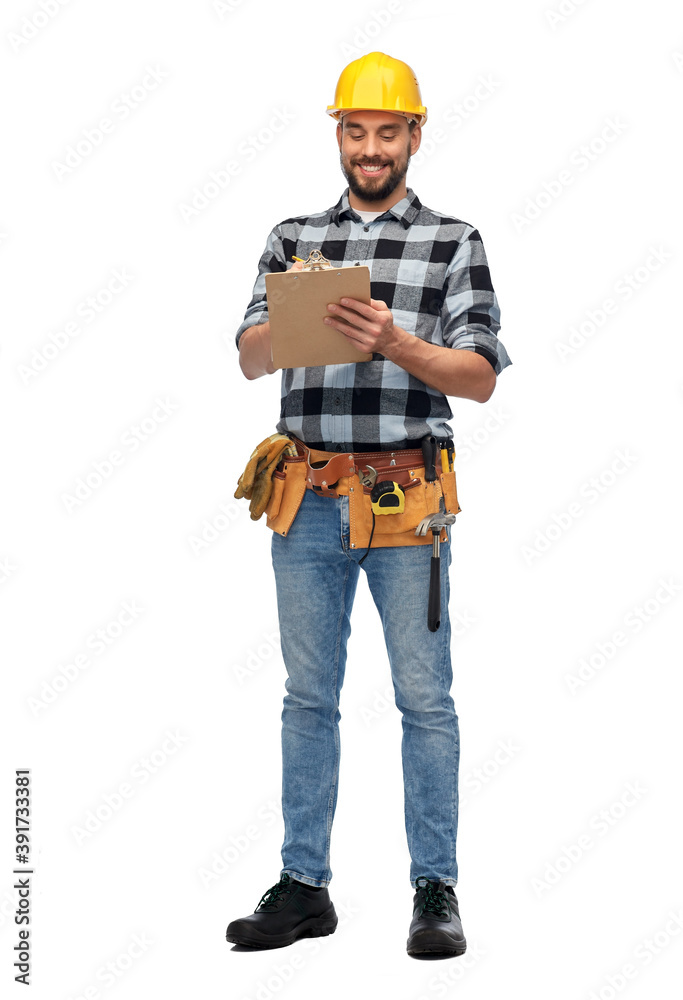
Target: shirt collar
405	210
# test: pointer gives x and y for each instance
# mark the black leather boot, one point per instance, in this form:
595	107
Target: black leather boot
435	926
288	911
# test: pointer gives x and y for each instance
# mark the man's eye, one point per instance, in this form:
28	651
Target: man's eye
387	138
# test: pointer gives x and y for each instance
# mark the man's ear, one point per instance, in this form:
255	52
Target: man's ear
339	134
415	139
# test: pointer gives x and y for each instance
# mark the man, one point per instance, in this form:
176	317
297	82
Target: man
431	328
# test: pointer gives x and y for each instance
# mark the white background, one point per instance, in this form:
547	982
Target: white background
554	899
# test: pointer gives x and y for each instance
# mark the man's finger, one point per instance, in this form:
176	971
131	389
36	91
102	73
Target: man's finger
345	313
339	323
360	307
352	336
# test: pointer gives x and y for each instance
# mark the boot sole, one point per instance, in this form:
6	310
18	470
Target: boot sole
422	945
434	948
313	927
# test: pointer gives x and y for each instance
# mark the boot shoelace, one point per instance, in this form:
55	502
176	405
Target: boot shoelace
275	893
435	899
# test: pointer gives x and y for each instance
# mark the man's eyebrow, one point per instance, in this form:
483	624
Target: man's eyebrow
381	128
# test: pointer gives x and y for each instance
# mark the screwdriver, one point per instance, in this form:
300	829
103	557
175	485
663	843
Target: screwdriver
443	445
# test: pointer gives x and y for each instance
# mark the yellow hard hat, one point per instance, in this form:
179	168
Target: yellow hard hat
376	82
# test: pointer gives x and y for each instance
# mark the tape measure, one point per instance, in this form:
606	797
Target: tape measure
387	497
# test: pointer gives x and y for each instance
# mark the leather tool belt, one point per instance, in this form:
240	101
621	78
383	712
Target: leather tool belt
335	474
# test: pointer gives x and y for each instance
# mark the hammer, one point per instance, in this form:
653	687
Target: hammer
435	522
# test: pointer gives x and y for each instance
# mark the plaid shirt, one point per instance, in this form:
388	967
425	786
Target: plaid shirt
432	272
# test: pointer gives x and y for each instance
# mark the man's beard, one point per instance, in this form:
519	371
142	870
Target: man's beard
369	190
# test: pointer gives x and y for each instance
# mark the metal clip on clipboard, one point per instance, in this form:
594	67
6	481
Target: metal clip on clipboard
315	262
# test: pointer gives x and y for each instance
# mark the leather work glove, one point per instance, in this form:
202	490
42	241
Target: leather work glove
256	482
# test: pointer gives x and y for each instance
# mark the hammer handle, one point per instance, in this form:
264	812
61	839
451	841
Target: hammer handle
434	607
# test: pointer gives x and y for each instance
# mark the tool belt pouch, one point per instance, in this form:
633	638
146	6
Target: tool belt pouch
421	499
450	492
289	486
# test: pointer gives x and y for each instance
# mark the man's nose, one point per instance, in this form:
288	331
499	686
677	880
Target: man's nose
371	147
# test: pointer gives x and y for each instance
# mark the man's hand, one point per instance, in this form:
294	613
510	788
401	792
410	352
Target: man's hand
453	372
369	328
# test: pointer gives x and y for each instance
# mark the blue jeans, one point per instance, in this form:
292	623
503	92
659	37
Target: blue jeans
316	573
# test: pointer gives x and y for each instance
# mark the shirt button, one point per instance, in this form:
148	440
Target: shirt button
366	228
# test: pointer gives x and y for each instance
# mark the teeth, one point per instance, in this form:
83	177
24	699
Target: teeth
372	168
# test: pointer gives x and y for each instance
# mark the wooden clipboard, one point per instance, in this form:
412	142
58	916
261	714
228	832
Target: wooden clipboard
297	303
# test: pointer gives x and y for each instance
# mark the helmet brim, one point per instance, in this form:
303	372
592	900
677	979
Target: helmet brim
338	113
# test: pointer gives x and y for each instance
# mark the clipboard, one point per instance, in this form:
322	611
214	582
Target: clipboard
297	303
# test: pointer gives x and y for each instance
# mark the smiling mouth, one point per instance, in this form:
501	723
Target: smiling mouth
372	171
